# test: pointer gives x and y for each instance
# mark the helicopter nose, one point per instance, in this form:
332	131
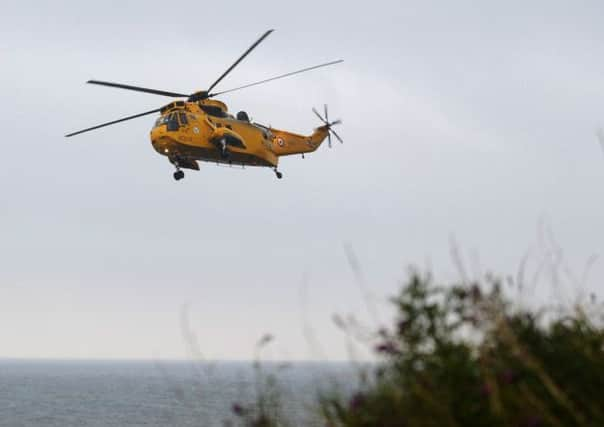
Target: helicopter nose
161	142
156	137
157	132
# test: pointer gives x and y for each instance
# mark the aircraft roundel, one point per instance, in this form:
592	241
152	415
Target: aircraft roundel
280	142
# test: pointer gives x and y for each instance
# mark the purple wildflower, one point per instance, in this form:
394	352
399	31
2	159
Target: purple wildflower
402	326
357	401
508	376
387	347
238	409
532	421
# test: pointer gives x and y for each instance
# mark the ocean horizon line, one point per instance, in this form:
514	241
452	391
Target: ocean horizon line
6	359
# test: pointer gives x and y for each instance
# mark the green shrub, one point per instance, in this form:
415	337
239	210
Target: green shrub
465	356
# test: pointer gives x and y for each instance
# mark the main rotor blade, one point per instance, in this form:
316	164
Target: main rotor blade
138	89
280	77
113	122
246	53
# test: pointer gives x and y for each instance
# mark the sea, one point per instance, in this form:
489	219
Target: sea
61	393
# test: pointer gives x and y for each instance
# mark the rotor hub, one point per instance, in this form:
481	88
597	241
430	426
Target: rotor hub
199	96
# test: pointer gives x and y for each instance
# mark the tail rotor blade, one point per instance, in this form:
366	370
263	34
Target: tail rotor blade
337	136
318	115
327	125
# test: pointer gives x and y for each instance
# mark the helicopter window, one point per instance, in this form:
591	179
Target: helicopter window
213	111
161	121
182	118
172	122
243	116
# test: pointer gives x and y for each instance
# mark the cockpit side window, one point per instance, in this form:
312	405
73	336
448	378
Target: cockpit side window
182	118
172	122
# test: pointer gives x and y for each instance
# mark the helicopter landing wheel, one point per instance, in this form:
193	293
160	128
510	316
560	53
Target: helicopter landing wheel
178	175
279	174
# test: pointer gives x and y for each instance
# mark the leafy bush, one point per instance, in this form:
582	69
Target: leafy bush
466	356
463	356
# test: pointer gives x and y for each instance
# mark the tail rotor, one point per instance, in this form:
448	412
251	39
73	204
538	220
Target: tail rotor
327	124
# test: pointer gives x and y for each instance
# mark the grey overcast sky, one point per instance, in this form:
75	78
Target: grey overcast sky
472	122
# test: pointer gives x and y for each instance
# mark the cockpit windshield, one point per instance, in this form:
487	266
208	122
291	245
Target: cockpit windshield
162	120
171	121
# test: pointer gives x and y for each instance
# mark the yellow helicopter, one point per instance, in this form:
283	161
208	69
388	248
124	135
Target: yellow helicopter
202	129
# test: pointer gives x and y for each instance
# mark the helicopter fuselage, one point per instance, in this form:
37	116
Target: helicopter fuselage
190	131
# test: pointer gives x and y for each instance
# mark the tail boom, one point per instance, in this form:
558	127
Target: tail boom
287	143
